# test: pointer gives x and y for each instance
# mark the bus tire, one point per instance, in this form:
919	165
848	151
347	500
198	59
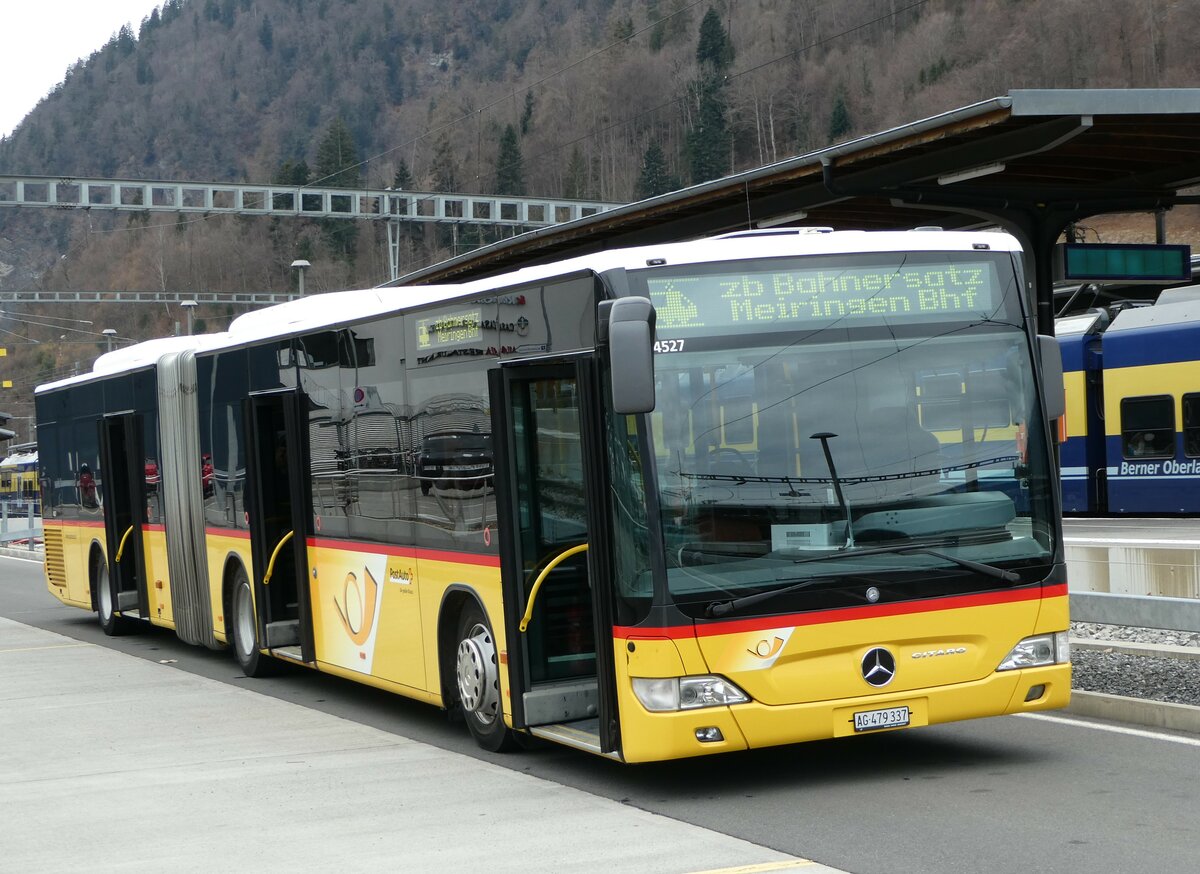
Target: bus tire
112	624
244	636
477	681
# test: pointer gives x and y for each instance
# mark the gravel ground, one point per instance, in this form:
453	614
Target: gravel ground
1159	679
1129	634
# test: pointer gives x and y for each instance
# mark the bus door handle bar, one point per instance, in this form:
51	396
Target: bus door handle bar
537	584
275	555
121	548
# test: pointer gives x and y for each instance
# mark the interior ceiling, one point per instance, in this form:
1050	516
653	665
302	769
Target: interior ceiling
1065	155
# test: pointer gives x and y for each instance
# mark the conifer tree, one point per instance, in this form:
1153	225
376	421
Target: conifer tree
266	35
839	120
403	180
714	51
527	115
337	159
444	167
708	140
655	178
291	173
337	167
510	172
575	181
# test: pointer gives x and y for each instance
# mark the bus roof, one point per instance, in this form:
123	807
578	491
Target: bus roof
759	243
347	307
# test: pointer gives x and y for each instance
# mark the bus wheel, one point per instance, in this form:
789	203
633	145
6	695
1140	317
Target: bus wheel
477	673
112	624
245	636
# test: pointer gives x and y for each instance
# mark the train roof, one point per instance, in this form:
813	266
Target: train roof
19	458
348	307
1173	312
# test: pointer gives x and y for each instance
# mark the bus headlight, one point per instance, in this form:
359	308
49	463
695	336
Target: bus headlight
1037	651
686	693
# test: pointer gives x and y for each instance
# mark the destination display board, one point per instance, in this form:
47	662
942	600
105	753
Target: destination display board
797	295
450	329
1122	262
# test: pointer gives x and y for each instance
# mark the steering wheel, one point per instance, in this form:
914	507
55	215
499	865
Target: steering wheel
728	460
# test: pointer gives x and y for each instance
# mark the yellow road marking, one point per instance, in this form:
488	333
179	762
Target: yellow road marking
785	865
55	646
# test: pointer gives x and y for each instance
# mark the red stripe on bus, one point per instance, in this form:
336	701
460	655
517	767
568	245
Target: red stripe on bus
344	545
843	614
406	551
239	533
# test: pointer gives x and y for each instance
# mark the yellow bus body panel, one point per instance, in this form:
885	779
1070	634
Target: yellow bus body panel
805	680
71	543
376	611
158	578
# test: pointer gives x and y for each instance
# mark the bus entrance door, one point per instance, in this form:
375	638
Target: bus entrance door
123	491
277	499
553	555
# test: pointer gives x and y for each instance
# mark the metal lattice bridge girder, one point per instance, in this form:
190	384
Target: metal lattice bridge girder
289	200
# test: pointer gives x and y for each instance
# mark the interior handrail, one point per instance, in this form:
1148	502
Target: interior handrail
537	584
275	555
121	548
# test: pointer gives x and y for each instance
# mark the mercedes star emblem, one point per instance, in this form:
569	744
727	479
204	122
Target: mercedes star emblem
878	666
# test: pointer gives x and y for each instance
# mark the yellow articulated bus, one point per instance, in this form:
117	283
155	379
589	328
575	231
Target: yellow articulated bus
653	503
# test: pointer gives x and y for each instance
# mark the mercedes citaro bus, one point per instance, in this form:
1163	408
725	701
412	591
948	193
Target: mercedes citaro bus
652	503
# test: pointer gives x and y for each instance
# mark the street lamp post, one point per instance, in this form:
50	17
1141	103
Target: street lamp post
188	306
300	265
109	333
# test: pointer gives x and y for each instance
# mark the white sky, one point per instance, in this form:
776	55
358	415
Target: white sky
40	39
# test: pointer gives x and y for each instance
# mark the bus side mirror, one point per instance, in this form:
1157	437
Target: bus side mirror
631	352
1052	377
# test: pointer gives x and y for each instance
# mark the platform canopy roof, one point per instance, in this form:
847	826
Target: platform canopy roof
1032	162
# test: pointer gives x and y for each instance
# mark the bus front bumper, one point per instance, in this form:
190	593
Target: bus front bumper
647	737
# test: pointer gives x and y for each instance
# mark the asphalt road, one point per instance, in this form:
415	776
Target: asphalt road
996	795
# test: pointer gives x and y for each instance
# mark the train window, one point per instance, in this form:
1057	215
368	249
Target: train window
1148	427
1191	424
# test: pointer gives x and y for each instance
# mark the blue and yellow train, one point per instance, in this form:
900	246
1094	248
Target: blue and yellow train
1132	429
19	488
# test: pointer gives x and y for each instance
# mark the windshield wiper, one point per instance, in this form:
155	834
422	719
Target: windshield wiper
723	608
987	570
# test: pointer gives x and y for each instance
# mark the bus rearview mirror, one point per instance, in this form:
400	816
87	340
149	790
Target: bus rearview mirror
631	351
1052	377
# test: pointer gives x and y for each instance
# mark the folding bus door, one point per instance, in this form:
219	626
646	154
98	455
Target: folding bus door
554	552
279	507
123	491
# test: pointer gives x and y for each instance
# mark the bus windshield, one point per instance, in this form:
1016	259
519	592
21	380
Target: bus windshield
867	415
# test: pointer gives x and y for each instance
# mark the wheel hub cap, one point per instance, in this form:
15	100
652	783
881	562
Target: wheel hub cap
478	681
245	622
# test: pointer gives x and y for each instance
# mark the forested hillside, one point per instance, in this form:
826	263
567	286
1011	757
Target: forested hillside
605	99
